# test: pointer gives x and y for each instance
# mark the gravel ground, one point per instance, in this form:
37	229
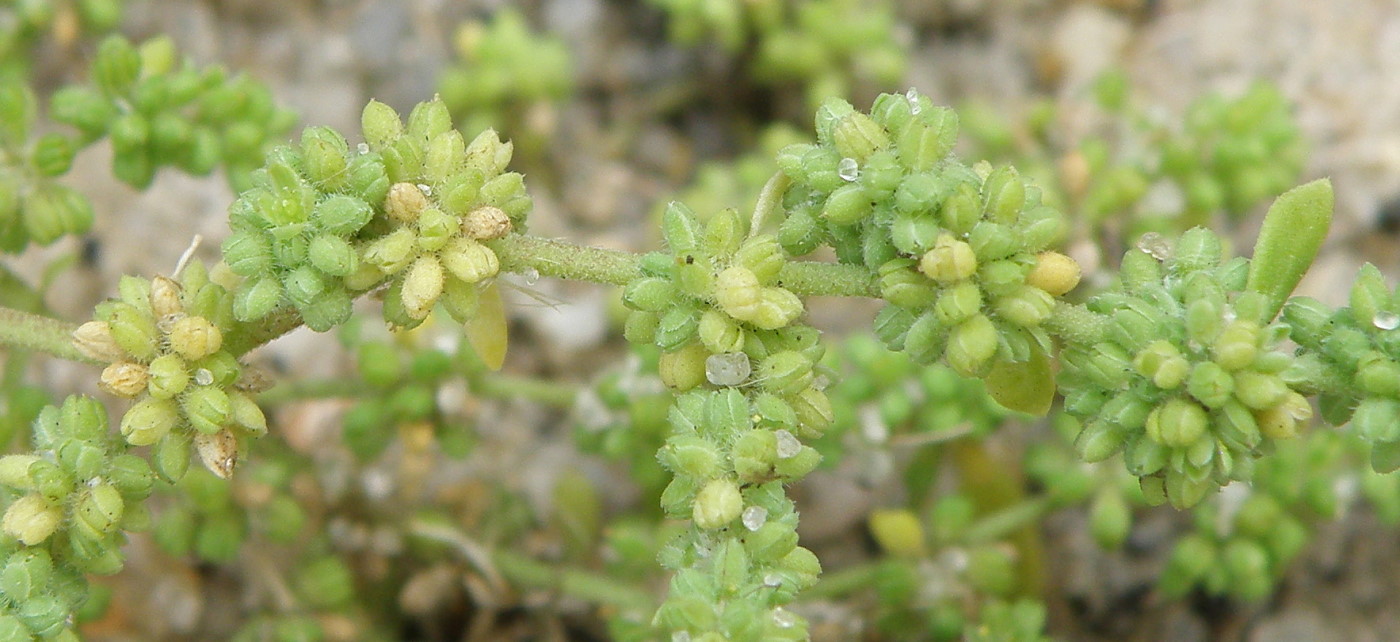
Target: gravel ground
621	153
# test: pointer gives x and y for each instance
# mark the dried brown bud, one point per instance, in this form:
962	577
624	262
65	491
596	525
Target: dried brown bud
486	223
124	378
218	451
94	340
404	202
165	298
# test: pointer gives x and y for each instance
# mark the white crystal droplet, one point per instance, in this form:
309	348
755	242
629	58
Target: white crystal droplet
913	97
426	189
727	369
362	148
203	377
755	517
680	636
784	618
772	579
1386	320
848	169
788	445
531	276
1156	245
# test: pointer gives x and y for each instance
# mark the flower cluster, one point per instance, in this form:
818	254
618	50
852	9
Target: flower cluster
446	197
404	397
76	495
503	69
160	111
1355	349
27	24
1245	539
34	207
293	229
831	46
961	253
1187	379
164	343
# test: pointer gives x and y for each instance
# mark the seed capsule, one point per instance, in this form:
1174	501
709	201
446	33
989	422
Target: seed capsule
716	504
124	378
218	452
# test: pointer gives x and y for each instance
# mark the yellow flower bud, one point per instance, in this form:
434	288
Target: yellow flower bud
717	504
422	286
685	368
898	531
404	202
195	338
1054	272
737	292
469	260
165	298
485	223
218	452
124	379
949	261
94	340
31	519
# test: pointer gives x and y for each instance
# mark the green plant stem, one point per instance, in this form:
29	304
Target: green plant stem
545	392
843	582
595	588
32	332
314	389
1076	324
517	253
1006	521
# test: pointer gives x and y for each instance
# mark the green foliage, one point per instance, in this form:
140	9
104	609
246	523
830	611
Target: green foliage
158	110
502	71
828	47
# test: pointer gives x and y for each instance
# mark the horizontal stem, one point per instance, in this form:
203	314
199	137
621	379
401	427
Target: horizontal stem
595	588
520	253
27	331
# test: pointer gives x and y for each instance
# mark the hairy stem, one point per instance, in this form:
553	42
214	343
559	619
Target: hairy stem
26	331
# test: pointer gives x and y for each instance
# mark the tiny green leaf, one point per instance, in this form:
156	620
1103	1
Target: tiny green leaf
1293	232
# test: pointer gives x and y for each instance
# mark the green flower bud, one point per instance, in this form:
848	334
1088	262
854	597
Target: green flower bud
676	328
1308	320
1259	391
920	194
719	334
444	156
44	616
380	124
195	337
649	294
690	455
1177	423
785	372
762	255
1198	249
991	241
754	455
133	330
1110	519
1003	195
392	252
469	260
117	66
929	139
848	205
777	308
902	285
99	509
83	459
257	298
422	285
972	345
247	415
738	292
914	233
487	154
1248	566
32	519
206	408
14	471
858	136
429	119
149	420
716	504
1377	420
1237	345
681	229
341	215
640	327
958	303
1027	307
813	410
132	476
949	261
26	574
52	155
683	369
